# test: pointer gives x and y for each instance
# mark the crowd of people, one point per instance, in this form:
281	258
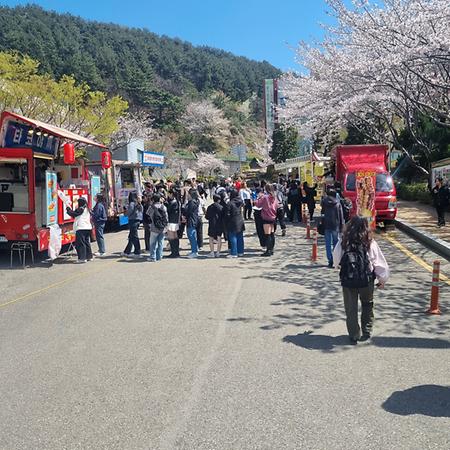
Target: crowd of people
172	209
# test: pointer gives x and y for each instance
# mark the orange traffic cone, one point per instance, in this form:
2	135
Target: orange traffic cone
308	228
434	303
314	246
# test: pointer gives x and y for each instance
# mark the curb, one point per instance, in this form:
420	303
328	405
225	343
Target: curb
438	245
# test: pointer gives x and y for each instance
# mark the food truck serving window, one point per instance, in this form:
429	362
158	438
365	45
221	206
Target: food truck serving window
14	185
384	182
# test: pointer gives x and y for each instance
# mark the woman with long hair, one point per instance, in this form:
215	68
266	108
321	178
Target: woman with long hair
135	216
174	214
234	223
361	263
269	205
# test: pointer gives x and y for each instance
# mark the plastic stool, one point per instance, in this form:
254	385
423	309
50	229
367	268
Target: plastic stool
21	248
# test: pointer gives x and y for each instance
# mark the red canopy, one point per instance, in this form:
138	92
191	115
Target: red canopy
55	131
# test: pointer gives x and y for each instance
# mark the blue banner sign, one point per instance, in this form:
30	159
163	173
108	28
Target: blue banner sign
152	159
20	135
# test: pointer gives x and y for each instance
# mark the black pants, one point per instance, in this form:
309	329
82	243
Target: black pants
247	209
199	229
147	236
294	212
133	238
351	296
83	244
280	217
311	208
441	214
180	231
259	228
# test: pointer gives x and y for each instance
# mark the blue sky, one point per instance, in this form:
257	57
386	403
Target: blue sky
258	29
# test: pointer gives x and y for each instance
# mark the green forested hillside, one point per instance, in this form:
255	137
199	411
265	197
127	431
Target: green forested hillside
148	70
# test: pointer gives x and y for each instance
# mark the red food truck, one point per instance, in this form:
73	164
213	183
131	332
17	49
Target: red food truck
362	171
39	176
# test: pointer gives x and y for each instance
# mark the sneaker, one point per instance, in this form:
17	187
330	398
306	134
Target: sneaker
240	254
231	256
217	255
151	260
125	255
193	255
135	256
80	261
211	255
98	254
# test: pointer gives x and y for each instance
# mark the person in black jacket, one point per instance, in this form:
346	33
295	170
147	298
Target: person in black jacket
333	222
146	222
100	217
310	198
441	200
294	200
214	216
235	226
190	212
174	214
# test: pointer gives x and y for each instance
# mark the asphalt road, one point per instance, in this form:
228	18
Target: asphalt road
220	354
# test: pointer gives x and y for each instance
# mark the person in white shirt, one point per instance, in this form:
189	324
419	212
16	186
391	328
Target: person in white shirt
83	228
361	262
246	197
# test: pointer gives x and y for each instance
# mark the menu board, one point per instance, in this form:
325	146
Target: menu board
51	197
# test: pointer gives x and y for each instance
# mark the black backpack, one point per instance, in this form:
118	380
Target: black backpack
355	268
159	218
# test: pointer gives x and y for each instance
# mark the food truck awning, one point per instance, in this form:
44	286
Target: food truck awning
51	129
300	160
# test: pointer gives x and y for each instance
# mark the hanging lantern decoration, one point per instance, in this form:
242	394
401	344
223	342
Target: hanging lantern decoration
106	160
69	154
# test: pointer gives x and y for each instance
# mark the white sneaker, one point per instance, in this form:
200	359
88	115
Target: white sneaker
80	261
240	254
231	256
98	254
211	255
193	255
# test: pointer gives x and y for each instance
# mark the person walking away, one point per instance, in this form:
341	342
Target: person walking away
269	206
310	198
146	202
361	262
257	217
214	216
294	201
333	222
235	224
246	197
174	218
190	212
157	213
83	228
135	216
280	211
441	199
99	217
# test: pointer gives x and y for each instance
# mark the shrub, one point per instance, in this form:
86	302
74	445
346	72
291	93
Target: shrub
414	192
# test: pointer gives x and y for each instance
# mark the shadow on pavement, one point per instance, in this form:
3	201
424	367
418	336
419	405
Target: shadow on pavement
316	298
427	400
311	341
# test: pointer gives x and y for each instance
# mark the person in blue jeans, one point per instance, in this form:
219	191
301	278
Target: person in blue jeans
159	220
100	218
333	221
234	224
190	212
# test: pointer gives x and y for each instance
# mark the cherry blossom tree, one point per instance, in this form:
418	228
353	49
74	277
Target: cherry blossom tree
136	125
209	164
203	118
379	68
